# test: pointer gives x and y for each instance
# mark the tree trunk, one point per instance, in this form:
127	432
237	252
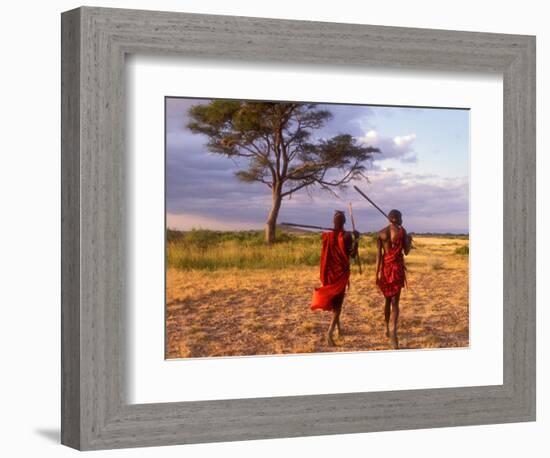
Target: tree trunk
271	223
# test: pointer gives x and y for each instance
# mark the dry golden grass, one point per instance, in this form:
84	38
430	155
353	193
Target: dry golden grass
235	312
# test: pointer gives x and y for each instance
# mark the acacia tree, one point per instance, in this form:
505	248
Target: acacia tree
276	140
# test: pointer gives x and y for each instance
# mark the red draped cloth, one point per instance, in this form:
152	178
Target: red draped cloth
393	267
334	272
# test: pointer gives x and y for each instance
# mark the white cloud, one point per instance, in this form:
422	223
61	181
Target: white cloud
404	140
399	147
371	135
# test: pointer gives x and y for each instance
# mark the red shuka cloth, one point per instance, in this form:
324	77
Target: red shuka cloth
334	272
393	267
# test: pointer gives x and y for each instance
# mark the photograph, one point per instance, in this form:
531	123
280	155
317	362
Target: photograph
303	227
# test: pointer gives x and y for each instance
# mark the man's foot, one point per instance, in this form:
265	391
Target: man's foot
394	342
388	332
330	340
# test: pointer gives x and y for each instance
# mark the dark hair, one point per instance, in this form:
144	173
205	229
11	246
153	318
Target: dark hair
338	214
394	214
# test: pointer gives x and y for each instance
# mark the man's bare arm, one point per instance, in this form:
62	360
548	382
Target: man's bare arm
351	243
406	243
378	257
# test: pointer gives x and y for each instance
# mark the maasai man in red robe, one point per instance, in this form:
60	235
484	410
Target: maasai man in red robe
338	246
393	243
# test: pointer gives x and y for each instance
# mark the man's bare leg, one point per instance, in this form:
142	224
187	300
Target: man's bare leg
340	334
387	312
395	317
330	333
335	322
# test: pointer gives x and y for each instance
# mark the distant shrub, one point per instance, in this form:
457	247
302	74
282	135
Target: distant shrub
173	236
436	264
463	250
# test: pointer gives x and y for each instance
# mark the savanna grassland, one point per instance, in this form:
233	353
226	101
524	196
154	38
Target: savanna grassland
230	294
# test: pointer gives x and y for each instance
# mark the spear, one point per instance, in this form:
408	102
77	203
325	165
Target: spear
307	226
353	226
371	202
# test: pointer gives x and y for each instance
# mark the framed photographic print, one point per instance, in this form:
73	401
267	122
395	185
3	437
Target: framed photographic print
279	228
231	192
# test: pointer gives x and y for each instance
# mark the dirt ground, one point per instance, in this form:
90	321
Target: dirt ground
260	312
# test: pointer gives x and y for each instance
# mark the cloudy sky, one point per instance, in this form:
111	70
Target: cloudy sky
423	171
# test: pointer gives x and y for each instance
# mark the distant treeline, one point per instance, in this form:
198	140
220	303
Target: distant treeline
445	235
283	234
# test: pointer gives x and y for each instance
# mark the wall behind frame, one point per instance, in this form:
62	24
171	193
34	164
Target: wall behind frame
30	229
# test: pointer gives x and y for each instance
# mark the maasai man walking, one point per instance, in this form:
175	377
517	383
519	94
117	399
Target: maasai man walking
338	246
393	242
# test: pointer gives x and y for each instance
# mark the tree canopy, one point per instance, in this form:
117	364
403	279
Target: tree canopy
278	142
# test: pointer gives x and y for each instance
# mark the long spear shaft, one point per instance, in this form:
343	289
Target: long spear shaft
307	226
371	202
353	226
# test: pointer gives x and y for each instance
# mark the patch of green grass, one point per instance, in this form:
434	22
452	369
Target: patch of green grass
213	250
463	250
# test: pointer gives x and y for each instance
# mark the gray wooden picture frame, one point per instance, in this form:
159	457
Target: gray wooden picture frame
95	412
